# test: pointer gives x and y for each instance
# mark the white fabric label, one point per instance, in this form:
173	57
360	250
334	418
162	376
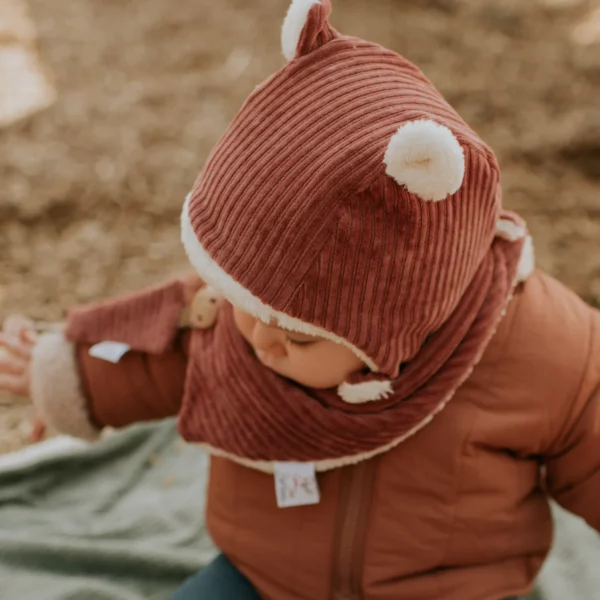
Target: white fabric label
110	351
296	484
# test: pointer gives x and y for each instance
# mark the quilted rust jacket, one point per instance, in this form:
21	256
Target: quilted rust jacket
459	511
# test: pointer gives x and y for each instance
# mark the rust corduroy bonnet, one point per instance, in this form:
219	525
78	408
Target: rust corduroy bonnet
348	200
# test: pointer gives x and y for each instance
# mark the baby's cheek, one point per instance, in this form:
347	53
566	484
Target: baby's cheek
318	367
322	368
244	322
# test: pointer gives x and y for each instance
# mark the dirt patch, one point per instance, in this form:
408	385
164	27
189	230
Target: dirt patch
92	188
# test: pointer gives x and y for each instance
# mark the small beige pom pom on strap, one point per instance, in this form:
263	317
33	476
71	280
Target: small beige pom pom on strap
203	310
365	391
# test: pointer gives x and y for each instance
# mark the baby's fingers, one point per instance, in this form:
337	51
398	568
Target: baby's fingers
14	324
28	336
13	384
16	347
11	366
38	430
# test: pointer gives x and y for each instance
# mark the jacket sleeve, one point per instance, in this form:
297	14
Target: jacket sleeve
77	394
573	463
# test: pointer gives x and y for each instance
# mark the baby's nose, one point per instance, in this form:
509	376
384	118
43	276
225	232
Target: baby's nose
268	339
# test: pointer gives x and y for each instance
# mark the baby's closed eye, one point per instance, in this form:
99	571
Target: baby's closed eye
301	340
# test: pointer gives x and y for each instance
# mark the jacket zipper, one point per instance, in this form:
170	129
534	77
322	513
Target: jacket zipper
353	514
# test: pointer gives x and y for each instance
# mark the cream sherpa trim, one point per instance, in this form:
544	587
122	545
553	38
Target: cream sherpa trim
293	25
365	391
239	296
512	232
425	157
56	390
526	265
509	230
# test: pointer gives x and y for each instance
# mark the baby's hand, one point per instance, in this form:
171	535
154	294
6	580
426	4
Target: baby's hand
17	341
16	346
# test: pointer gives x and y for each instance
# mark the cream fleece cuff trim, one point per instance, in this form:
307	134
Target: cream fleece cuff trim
56	388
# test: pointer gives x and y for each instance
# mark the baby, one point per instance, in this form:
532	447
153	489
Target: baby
390	394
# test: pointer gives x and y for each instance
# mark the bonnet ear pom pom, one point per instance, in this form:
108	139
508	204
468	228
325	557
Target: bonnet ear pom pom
294	23
427	159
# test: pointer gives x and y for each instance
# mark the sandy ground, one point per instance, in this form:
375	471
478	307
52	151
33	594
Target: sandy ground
91	189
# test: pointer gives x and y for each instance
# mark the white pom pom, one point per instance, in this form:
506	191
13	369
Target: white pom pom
293	25
425	157
366	391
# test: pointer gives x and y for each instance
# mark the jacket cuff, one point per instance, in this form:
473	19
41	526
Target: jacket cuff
56	388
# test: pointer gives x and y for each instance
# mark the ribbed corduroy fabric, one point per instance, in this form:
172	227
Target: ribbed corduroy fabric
295	206
242	410
147	321
317	30
295	216
239	408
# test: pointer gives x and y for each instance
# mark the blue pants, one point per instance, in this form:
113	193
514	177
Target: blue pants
220	580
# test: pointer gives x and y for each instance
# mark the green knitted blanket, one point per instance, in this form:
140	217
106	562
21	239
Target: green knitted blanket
123	520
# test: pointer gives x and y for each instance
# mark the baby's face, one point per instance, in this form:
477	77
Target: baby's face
311	361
